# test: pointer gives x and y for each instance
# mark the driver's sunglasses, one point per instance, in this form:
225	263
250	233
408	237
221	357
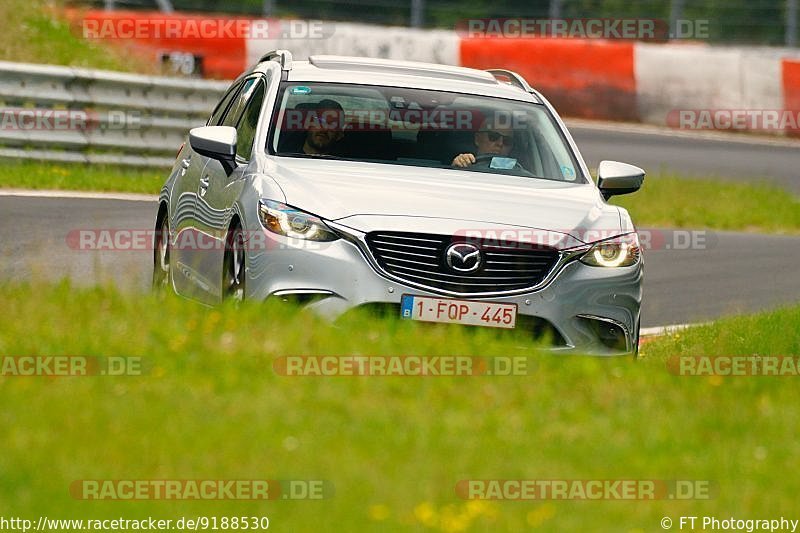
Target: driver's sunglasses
494	136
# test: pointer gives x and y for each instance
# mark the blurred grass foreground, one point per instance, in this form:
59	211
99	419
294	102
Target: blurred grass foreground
209	404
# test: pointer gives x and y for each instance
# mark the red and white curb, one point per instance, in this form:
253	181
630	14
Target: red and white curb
649	334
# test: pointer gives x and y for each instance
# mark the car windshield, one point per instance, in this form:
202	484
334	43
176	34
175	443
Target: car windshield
416	127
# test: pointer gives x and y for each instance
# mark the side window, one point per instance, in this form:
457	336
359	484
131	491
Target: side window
235	110
223	105
246	129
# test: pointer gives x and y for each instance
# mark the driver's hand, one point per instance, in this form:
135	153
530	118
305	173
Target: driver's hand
463	160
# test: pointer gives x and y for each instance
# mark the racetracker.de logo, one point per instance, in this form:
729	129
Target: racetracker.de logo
734	365
765	120
39	119
585	489
201	489
71	366
566	238
400	365
643	29
132	240
194	28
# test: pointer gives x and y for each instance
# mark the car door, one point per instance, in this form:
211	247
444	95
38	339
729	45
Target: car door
218	191
183	200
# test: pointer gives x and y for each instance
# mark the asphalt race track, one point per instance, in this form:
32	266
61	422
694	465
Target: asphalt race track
739	157
33	240
731	272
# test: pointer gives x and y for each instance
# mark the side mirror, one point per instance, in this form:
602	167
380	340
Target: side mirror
618	178
216	142
615	178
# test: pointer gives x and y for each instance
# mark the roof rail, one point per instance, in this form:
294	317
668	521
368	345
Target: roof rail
406	68
284	57
510	77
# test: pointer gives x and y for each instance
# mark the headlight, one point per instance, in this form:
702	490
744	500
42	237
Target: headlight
617	252
291	222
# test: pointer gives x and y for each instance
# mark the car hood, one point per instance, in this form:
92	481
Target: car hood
368	196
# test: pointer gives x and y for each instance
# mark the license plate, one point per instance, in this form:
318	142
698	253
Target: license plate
450	311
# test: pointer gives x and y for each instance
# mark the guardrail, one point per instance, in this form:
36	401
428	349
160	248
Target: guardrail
81	115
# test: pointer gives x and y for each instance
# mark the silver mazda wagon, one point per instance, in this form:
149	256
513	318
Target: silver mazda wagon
436	193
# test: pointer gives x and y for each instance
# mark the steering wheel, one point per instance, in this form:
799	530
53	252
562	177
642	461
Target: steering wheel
484	160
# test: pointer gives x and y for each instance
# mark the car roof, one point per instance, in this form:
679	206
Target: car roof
410	74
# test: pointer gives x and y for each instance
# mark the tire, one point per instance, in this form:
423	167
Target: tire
161	256
233	266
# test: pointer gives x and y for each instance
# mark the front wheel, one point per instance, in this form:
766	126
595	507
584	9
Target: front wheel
233	268
161	252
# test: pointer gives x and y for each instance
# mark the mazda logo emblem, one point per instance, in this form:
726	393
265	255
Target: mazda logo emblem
463	257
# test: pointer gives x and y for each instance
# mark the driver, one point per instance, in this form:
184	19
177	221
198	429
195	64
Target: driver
325	132
488	140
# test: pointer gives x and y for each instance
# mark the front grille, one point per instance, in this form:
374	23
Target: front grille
419	258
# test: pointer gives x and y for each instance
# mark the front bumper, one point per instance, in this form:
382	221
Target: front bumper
587	306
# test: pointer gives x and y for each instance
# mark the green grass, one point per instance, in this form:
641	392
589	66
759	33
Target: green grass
34	33
669	200
773	332
211	407
79	177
